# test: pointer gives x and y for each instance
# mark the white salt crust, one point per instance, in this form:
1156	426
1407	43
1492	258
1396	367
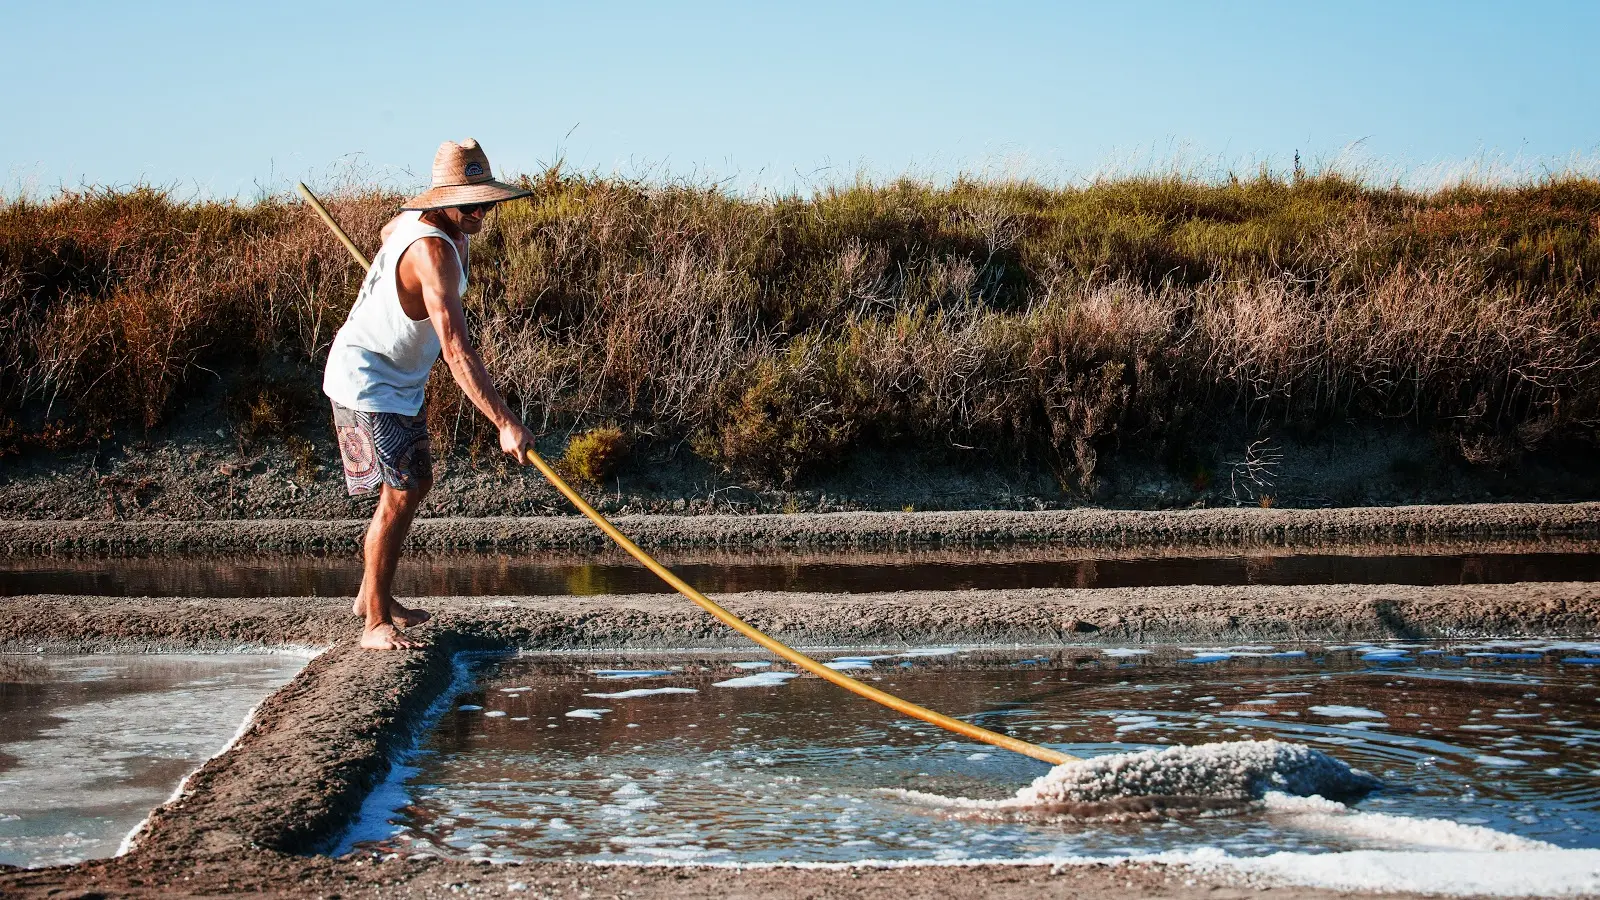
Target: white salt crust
1238	770
1330	817
643	692
1456	873
761	679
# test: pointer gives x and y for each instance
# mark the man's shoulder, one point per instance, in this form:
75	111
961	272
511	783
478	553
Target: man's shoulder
431	251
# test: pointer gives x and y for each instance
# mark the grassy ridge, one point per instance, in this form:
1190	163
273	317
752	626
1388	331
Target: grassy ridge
776	335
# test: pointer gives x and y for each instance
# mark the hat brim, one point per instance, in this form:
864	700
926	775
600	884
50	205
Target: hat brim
465	195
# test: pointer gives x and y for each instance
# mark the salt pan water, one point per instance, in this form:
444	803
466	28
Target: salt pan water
1480	746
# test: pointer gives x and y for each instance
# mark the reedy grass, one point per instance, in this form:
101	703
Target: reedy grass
779	334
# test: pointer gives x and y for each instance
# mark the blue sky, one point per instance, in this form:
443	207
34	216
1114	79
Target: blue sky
230	99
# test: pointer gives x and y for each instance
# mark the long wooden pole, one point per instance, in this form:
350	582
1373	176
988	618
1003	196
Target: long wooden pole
905	707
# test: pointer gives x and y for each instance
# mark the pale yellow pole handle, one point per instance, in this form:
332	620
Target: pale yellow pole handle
904	707
328	217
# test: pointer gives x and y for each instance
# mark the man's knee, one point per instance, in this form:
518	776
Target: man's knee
409	498
412	496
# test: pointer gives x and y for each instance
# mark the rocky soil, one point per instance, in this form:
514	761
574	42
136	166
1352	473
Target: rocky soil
197	470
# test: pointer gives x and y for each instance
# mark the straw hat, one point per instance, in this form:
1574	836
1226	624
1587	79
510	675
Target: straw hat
461	177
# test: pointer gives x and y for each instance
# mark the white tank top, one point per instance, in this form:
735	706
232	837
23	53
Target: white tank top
380	359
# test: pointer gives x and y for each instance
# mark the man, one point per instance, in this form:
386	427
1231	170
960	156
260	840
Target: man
407	314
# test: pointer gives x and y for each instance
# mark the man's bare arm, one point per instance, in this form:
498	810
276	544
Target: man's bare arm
432	265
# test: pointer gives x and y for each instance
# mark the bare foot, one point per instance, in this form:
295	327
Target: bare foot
403	616
387	637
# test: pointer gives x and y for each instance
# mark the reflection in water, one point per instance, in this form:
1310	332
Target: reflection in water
1501	735
546	574
89	744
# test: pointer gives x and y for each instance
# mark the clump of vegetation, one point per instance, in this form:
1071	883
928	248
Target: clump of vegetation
778	335
265	408
595	455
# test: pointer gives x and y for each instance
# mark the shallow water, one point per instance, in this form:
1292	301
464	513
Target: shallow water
546	574
1497	735
90	744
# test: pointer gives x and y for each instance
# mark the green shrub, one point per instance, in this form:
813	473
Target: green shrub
595	455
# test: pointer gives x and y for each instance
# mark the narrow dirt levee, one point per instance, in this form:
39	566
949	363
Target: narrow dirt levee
1242	527
901	618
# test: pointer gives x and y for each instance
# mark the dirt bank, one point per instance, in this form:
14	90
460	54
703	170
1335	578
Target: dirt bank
1098	528
643	621
192	472
261	874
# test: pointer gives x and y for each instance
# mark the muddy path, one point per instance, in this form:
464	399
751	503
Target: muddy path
1395	526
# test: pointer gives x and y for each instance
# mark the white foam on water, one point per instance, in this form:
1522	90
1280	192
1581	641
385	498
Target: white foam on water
1331	817
586	713
643	692
928	651
629	673
1537	873
1380	655
1123	652
751	665
1136	722
1346	712
761	679
375	820
495	713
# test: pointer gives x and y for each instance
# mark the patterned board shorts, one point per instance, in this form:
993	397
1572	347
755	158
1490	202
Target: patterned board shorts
383	448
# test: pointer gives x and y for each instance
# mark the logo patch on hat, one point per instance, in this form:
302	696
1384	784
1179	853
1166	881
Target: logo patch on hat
473	170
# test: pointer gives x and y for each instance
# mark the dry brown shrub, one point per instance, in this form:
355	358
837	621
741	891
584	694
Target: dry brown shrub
1015	319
